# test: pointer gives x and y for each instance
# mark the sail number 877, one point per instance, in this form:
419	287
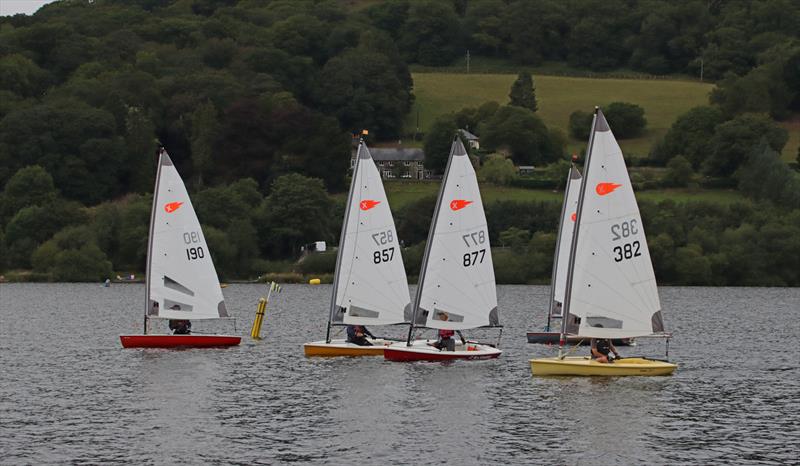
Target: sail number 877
472	258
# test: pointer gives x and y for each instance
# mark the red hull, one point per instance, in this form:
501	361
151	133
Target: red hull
178	341
409	356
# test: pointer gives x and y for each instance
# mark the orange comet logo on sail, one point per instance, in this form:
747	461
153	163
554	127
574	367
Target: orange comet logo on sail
367	204
606	188
458	204
172	207
574	216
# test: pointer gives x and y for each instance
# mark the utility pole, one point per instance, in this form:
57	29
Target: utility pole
701	69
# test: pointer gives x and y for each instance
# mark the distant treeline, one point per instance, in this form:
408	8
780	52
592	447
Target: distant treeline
255	101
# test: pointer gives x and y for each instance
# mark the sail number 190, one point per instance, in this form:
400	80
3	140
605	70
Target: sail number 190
192	253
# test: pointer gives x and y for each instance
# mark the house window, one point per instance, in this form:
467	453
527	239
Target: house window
407	163
387	174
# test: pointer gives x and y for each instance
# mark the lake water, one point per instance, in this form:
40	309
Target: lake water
69	393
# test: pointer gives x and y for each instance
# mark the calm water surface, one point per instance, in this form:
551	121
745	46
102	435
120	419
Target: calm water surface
70	394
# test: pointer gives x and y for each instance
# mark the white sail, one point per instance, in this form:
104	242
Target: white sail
566	228
372	287
457	283
613	288
182	282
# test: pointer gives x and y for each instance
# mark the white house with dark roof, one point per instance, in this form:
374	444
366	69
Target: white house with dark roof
473	141
397	162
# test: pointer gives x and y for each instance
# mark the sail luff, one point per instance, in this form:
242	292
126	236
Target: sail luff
161	153
575	233
429	242
342	239
572	175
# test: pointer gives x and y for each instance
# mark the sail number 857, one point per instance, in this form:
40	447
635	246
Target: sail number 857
384	255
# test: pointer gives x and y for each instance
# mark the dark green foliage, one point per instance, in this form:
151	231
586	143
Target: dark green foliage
523	92
735	139
72	255
580	124
317	263
438	141
690	136
297	211
414	219
765	176
431	34
522	134
361	88
625	119
679	172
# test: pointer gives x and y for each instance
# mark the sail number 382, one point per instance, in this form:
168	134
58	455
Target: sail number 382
626	251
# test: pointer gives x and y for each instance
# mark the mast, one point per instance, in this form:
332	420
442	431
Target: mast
161	152
558	248
336	274
574	246
428	244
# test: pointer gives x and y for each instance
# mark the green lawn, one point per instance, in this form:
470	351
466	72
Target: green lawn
663	100
403	192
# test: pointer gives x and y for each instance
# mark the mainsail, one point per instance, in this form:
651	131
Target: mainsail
611	287
182	282
565	229
371	285
457	286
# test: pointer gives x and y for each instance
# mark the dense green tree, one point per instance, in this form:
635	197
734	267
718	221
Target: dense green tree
515	238
204	134
692	266
389	16
765	176
580	124
735	139
297	212
432	33
679	172
625	119
690	135
523	92
483	21
362	89
498	170
30	186
438	141
522	134
21	76
72	255
414	220
534	31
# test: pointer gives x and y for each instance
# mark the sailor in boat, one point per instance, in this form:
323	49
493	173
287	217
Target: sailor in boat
180	327
600	349
357	334
446	340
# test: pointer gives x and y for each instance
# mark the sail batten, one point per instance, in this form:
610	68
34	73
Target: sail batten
612	288
371	287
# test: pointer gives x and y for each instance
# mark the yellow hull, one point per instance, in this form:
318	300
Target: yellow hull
339	348
586	366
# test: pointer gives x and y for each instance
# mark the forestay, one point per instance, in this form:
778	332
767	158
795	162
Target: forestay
566	228
613	288
182	282
372	287
457	283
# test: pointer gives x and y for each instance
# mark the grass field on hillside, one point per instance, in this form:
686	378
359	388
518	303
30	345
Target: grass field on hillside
401	193
663	101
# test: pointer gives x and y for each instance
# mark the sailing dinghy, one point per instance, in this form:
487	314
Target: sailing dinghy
611	288
181	282
560	262
369	284
456	289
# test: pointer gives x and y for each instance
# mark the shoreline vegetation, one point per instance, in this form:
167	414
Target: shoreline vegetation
258	104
